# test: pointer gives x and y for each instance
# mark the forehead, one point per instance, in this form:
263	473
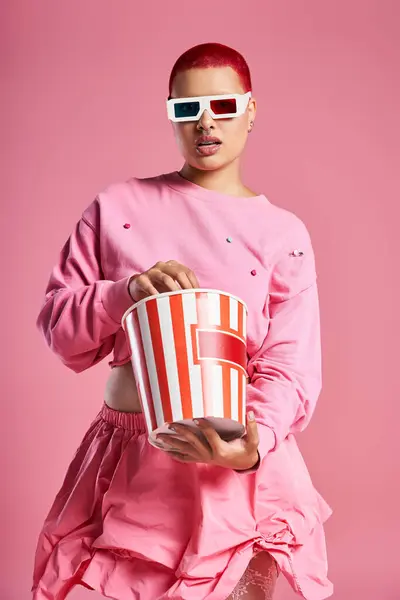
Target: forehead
211	81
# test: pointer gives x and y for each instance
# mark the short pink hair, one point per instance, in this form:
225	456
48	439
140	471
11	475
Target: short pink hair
209	55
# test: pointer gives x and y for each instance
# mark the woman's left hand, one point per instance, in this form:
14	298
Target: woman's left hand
240	454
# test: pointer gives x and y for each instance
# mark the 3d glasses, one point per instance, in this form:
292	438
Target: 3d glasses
226	106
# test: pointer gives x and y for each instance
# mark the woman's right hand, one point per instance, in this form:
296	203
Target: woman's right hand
168	276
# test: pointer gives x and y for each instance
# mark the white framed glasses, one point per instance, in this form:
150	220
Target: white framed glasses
226	106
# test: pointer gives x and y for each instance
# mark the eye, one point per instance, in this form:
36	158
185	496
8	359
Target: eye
186	109
224	106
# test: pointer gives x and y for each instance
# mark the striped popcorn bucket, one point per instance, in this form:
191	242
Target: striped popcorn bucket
189	358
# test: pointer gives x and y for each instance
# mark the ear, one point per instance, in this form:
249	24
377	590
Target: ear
251	111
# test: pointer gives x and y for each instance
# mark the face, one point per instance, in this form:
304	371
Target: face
232	133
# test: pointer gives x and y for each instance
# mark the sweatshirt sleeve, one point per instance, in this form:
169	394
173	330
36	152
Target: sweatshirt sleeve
82	311
285	374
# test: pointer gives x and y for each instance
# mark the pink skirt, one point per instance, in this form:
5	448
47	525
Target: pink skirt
133	524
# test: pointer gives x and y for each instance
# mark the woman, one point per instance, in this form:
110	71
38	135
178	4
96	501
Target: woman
216	520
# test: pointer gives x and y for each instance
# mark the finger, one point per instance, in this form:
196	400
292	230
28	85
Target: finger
188	272
212	437
183	281
193	279
179	273
177	445
252	438
164	282
144	286
181	458
201	446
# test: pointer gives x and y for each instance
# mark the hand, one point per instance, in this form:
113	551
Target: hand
168	276
240	454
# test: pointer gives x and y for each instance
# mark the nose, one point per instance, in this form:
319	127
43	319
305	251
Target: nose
205	122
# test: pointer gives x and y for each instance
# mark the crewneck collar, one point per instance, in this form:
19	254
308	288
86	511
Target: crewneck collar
180	184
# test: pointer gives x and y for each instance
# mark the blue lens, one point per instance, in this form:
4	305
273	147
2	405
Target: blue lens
186	109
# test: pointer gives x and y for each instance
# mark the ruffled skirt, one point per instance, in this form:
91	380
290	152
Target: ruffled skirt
133	524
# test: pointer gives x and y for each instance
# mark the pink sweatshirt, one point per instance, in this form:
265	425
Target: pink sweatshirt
245	246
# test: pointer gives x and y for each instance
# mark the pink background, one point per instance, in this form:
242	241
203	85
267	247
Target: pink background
83	88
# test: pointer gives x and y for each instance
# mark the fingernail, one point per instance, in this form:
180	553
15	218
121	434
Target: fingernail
171	428
251	415
196	421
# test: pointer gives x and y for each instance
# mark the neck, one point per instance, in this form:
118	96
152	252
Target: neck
226	180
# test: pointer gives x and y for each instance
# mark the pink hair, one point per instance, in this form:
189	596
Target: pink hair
208	55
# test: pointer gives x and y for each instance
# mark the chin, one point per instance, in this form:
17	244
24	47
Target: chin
209	163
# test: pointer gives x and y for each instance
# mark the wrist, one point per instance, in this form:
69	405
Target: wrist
252	463
131	287
115	298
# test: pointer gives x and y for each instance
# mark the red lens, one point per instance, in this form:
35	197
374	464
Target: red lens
224	107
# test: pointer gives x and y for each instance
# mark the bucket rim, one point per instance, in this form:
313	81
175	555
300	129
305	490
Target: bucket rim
136	305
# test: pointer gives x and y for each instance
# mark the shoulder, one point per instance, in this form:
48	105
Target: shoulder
134	188
281	232
289	226
293	261
120	199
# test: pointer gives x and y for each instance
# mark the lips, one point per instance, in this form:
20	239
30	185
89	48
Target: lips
207	140
207	145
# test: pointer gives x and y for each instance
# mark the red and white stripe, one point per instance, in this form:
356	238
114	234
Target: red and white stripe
189	356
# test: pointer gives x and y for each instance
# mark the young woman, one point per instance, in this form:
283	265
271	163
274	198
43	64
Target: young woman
212	520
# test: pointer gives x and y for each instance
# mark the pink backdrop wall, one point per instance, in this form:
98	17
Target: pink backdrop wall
79	81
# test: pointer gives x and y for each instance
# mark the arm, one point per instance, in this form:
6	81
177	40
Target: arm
82	311
285	374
